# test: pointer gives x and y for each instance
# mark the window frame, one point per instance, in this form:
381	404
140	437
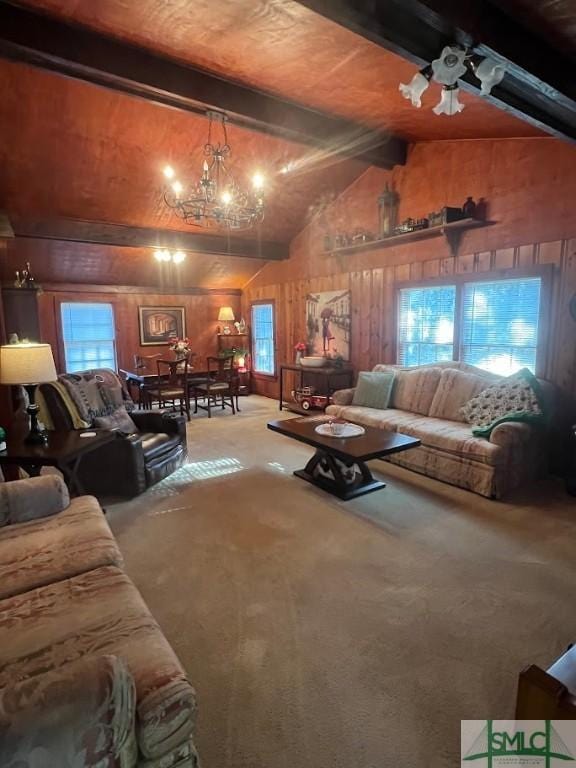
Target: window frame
61	342
257	374
544	271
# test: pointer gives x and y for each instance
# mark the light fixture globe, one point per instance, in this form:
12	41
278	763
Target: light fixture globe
490	73
414	90
449	103
450	66
215	200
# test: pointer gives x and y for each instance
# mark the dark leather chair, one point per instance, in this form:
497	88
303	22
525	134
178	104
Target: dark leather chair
132	463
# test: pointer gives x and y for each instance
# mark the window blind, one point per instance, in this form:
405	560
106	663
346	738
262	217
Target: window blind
426	324
89	336
500	324
263	339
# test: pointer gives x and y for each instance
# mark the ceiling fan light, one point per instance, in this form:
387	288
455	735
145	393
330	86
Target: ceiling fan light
449	66
490	73
415	88
449	103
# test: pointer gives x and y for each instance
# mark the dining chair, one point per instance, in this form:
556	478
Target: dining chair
222	384
145	364
172	385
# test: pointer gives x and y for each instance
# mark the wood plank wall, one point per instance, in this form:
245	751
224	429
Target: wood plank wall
201	319
373	296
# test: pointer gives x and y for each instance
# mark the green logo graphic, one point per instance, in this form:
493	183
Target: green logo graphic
545	744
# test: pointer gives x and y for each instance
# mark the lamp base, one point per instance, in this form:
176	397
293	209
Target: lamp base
36	435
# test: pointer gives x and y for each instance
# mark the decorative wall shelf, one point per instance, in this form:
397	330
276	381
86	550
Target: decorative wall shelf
452	232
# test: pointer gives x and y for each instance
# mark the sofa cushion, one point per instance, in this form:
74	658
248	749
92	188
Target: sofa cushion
449	436
57	547
373	389
120	420
414	389
79	715
454	390
100	613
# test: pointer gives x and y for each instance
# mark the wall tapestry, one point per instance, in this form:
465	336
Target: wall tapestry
328	323
161	325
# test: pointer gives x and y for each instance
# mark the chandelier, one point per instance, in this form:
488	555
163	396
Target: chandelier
216	200
447	69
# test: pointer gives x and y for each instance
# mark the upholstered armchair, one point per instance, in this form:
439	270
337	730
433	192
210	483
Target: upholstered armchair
87	677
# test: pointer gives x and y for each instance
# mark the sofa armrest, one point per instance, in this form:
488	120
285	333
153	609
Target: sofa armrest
159	421
511	434
343	396
82	713
36	497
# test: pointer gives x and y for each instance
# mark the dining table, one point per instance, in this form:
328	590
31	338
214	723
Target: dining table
144	381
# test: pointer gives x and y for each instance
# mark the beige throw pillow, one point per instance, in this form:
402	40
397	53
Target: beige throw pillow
454	390
414	389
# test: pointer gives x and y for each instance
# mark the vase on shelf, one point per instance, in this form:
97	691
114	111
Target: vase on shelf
298	358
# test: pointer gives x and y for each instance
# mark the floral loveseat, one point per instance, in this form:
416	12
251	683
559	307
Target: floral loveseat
425	403
87	679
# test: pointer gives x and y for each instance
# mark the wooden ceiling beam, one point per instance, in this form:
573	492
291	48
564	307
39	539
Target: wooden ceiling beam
105	233
37	39
539	85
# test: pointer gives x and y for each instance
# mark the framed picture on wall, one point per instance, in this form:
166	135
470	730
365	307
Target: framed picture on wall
160	325
328	323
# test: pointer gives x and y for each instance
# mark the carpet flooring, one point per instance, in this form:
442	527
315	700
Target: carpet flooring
328	634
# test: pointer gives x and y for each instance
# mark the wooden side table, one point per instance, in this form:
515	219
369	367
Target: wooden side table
64	450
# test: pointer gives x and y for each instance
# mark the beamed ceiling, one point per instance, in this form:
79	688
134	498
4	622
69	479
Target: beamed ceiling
70	149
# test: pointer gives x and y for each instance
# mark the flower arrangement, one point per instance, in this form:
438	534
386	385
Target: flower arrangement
180	346
300	347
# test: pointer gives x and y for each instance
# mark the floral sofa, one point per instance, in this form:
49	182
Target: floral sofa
425	403
87	679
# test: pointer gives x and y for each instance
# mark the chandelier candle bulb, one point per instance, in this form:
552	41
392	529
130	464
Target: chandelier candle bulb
214	199
169	172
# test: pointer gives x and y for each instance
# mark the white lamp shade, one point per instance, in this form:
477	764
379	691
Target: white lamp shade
26	364
226	315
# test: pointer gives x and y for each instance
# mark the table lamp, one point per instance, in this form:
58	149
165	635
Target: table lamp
28	365
226	315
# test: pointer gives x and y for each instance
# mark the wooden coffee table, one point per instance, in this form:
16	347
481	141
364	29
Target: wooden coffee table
339	464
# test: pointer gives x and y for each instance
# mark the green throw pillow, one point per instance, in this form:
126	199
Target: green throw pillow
515	398
373	389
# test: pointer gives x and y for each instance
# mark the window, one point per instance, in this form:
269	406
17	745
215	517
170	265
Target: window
426	324
88	335
492	324
500	325
263	339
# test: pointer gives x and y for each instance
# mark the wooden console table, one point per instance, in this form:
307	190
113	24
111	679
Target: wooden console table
329	380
